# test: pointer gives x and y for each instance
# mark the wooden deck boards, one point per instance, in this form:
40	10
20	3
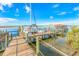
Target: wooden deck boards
19	45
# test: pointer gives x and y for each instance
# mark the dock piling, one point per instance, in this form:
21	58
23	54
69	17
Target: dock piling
37	46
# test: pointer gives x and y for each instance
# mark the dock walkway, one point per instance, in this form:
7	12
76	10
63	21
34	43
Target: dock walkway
19	47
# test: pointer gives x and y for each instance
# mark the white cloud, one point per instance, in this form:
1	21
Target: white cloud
56	5
77	14
27	8
68	22
17	12
76	8
12	22
5	20
51	17
7	4
1	7
62	13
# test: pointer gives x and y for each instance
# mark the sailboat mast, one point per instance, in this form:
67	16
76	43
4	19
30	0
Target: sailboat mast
30	14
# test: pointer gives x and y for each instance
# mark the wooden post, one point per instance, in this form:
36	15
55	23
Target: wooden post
37	46
54	37
27	40
17	47
20	29
54	34
10	36
6	40
2	44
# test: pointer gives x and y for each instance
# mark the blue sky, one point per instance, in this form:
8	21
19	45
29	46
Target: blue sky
45	13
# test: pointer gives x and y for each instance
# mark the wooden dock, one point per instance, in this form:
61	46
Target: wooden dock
19	47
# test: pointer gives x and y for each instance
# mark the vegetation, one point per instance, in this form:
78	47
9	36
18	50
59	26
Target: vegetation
73	37
1	52
61	30
49	40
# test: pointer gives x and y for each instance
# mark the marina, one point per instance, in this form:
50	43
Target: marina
34	44
30	29
18	42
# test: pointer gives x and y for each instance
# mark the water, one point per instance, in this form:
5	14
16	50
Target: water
48	52
61	41
13	31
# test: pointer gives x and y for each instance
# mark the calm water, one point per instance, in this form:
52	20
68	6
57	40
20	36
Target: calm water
48	52
14	31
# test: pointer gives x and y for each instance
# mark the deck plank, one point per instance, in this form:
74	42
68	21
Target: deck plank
23	48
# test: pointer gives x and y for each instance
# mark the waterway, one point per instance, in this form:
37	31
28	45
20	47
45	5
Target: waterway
48	52
13	31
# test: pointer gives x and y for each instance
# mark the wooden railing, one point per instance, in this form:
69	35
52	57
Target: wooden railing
38	37
5	39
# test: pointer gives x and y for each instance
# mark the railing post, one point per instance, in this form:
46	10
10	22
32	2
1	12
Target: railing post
26	37
17	47
37	46
2	46
10	36
6	40
2	43
20	29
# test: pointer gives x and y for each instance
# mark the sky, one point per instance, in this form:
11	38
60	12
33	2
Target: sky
42	13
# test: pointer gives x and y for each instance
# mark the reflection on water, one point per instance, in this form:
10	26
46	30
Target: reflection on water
48	52
61	41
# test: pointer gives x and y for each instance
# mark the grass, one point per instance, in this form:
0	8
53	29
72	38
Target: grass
1	52
49	40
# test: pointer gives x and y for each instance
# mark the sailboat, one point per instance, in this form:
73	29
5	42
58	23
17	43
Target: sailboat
32	28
